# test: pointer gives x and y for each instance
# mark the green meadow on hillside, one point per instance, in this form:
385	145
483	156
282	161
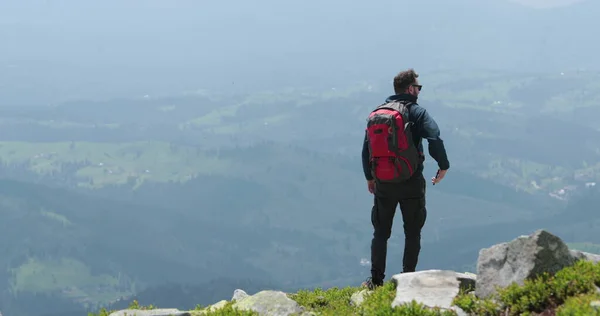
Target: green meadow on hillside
102	164
492	124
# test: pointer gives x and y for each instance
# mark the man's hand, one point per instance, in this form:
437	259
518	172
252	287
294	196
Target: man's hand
371	186
439	176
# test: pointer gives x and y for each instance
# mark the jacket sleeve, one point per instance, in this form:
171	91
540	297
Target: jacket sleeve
365	159
428	129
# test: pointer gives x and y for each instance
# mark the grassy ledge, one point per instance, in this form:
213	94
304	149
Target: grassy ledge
330	302
337	301
569	292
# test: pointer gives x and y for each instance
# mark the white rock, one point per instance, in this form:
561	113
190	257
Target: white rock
239	295
432	288
152	312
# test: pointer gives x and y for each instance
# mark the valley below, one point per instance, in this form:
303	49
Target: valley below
179	200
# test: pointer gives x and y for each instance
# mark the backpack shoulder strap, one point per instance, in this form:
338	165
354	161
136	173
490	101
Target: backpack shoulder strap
395	105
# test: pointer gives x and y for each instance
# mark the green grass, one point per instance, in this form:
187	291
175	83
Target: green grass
580	306
332	302
568	292
336	301
560	293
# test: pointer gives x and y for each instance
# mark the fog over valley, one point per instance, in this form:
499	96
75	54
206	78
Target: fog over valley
171	152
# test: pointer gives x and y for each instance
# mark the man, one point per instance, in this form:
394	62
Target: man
410	195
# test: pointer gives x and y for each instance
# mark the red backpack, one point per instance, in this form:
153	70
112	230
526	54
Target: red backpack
393	155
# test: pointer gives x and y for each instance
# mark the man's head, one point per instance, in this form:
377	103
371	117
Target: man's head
407	82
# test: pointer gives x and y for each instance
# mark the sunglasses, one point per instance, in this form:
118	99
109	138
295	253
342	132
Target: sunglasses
418	86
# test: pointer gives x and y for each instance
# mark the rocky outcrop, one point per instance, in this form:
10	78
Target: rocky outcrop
433	288
580	255
523	258
498	266
359	297
273	303
239	295
151	312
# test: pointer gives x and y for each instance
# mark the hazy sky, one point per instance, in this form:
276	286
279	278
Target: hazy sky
546	3
56	50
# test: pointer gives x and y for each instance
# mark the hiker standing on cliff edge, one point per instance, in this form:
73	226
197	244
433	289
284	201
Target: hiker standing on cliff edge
392	159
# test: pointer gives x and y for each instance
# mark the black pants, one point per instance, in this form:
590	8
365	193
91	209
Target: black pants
411	198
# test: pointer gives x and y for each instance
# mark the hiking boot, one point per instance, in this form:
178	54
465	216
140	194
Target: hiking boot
371	284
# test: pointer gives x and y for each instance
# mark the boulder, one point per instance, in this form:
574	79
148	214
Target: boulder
218	305
269	303
151	312
239	295
525	257
432	288
580	255
359	297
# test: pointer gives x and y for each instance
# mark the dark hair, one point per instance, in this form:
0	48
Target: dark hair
404	79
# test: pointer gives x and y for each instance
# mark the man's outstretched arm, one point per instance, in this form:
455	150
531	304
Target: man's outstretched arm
429	130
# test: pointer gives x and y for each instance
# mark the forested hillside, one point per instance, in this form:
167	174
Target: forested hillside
102	200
